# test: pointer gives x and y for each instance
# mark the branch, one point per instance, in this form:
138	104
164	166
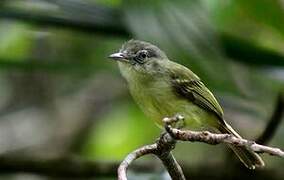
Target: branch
56	167
148	149
213	139
249	52
274	121
166	143
108	23
162	149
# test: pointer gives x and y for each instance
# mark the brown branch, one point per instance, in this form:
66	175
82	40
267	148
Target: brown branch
148	149
166	143
211	138
56	167
274	121
162	149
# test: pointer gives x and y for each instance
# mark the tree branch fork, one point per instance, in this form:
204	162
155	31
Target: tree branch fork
166	143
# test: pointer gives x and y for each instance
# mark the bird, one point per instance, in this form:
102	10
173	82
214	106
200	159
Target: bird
163	88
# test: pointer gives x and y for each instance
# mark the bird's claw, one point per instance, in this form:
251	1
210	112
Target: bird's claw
176	121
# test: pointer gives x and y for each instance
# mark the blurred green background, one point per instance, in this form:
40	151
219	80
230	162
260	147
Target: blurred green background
60	96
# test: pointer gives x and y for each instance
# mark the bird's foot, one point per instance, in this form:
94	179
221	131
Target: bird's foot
176	121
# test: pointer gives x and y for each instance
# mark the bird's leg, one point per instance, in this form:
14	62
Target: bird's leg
176	121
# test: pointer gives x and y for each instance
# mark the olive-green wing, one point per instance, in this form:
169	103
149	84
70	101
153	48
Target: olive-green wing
187	85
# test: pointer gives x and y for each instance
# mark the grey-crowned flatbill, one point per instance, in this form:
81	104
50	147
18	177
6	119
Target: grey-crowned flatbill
163	88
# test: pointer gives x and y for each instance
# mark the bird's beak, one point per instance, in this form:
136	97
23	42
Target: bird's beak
118	56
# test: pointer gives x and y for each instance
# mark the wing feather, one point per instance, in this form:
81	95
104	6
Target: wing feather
188	85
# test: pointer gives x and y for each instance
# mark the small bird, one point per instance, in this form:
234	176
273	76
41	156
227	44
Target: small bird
163	88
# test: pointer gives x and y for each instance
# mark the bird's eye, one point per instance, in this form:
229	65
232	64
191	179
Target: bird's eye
141	55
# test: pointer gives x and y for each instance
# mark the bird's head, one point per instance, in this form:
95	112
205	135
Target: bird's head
140	57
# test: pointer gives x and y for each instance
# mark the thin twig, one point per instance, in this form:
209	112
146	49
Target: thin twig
162	149
211	138
148	149
274	121
165	144
172	166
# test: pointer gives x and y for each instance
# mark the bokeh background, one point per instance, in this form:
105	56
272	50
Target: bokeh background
65	111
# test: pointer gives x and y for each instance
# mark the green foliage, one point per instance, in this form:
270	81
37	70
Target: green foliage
108	2
234	46
15	45
120	132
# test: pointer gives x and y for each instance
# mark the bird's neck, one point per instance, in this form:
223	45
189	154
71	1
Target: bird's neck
131	76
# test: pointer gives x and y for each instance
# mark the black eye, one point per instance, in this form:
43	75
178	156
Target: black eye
141	55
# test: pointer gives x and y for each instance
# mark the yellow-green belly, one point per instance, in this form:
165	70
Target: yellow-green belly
161	102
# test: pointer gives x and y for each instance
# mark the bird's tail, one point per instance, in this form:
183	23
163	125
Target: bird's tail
249	158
